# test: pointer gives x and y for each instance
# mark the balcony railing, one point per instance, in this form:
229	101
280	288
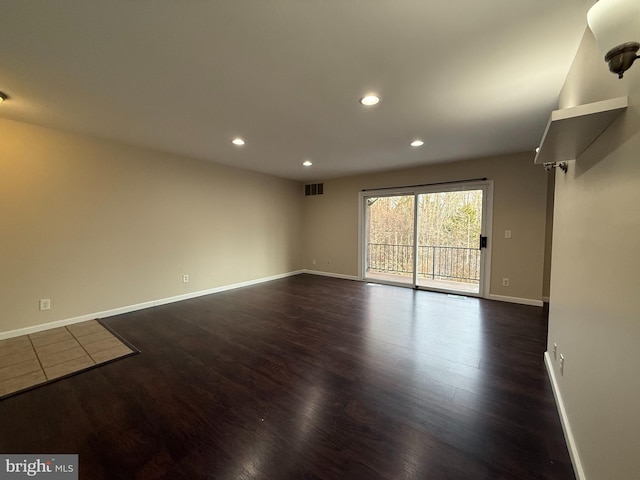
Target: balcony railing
436	262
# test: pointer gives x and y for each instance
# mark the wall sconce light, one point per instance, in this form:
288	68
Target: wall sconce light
549	166
616	26
3	97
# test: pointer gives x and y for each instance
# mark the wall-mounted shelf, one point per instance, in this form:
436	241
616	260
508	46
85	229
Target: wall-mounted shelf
570	131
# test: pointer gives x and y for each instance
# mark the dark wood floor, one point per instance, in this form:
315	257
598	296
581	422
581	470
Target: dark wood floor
309	378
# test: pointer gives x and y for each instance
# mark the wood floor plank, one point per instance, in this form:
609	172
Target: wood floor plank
309	378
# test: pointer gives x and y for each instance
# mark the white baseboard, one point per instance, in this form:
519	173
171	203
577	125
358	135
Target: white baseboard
545	299
224	288
140	306
522	301
329	274
564	420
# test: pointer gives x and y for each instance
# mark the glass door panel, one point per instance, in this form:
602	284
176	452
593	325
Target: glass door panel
448	253
389	242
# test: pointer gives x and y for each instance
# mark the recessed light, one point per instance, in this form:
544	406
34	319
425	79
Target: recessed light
537	149
369	100
238	141
307	163
417	143
3	97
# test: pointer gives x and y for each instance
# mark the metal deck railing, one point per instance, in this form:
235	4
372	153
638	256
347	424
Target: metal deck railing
434	261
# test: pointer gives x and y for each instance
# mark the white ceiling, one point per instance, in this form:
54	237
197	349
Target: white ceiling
471	78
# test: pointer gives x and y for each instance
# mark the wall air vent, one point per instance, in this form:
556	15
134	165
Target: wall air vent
314	189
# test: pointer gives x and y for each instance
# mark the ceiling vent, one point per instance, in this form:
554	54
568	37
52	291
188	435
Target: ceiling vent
314	189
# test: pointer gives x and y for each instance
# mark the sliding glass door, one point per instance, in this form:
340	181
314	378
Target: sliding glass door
428	237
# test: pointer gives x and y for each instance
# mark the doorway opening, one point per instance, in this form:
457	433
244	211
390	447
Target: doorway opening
432	237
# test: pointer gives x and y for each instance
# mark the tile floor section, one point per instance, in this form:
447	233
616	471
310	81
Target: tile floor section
37	358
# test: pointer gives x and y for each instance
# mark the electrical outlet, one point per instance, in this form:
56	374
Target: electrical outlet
555	351
561	364
505	282
313	262
45	304
185	278
507	234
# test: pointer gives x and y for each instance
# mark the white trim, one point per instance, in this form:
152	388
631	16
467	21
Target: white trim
487	223
361	234
140	306
545	299
564	420
522	301
69	321
333	275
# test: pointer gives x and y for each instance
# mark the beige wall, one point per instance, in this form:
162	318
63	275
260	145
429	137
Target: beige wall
94	225
595	278
548	237
331	220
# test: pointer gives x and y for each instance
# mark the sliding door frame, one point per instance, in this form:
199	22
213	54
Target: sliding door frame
487	226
